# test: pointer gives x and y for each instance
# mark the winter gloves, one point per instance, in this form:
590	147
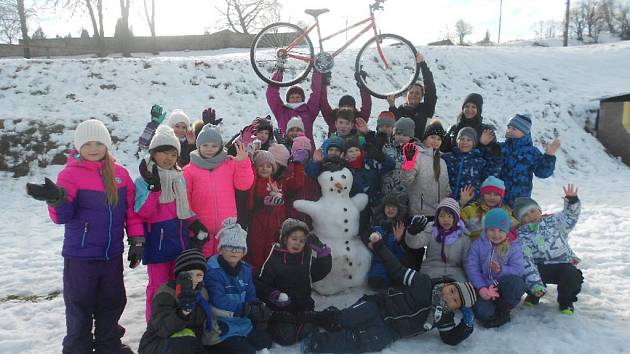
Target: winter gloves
200	234
209	116
300	155
489	293
360	76
258	313
48	192
319	249
157	114
152	178
410	152
273	199
136	251
417	225
186	297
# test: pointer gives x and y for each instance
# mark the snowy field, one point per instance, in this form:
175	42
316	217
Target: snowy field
556	85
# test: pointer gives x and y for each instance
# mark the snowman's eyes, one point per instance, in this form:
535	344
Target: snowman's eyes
343	176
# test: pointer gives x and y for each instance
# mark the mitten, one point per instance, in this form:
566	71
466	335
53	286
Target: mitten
418	224
360	76
157	114
279	298
410	153
274	199
209	116
152	178
300	155
184	292
48	192
258	313
468	317
199	231
320	250
279	136
136	252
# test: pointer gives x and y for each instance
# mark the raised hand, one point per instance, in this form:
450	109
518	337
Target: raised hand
360	76
185	293
190	137
48	192
361	125
241	152
152	178
157	113
209	116
419	58
409	150
570	191
487	136
418	224
399	230
318	155
551	149
489	293
466	195
391	100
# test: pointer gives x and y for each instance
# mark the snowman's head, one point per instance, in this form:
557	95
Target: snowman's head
336	182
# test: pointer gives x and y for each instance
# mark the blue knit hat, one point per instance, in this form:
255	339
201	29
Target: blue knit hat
522	122
493	184
334	141
497	218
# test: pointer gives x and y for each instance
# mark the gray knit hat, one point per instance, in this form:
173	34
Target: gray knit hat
209	134
295	122
468	132
92	130
189	260
290	225
406	126
232	235
164	136
522	205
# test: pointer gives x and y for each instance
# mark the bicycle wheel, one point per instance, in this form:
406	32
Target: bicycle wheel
283	44
389	61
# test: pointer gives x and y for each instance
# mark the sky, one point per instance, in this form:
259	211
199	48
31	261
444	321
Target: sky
420	21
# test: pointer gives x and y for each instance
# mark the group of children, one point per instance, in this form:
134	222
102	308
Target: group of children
231	263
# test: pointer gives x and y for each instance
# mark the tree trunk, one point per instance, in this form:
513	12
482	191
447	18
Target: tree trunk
565	41
124	14
151	22
23	25
101	40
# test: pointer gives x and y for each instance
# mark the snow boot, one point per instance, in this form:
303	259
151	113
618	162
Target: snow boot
567	309
327	319
531	300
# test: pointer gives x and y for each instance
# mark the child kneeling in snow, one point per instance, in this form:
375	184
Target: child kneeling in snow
181	312
549	258
377	320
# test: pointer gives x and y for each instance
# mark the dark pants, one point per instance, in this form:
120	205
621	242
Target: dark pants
257	339
363	330
511	289
568	278
94	294
181	345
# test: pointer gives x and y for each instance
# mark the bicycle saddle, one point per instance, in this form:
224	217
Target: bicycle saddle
315	12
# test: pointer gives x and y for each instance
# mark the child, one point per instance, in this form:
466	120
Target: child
238	313
346	102
550	259
492	192
403	134
447	242
162	203
416	307
470	116
521	160
346	123
294	263
180	123
385	124
181	312
424	173
333	147
367	171
301	154
295	128
495	267
211	179
94	198
264	134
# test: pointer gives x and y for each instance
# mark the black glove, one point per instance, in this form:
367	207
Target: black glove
257	312
200	235
279	136
48	192
418	223
136	252
373	152
209	116
327	77
152	178
359	75
380	140
186	298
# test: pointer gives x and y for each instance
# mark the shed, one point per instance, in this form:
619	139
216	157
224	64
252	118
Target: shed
613	125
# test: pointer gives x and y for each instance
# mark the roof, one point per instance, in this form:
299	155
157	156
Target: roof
620	97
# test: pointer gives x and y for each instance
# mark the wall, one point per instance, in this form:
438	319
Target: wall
611	131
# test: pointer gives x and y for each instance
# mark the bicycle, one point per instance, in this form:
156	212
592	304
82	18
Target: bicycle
282	54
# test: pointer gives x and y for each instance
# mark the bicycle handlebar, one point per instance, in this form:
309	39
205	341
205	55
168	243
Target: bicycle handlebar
378	5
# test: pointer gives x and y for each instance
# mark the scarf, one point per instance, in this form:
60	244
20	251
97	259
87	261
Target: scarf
447	237
294	105
356	163
207	164
173	188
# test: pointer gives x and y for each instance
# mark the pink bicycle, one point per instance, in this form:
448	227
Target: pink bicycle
387	62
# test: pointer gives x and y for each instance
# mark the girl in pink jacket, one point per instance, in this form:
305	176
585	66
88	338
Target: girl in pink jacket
211	180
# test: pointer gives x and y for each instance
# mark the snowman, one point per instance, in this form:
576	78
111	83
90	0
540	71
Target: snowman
336	222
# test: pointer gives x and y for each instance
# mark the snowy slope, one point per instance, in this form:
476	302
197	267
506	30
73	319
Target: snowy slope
556	85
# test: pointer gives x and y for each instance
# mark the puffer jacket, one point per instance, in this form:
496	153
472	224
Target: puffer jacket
367	179
94	229
470	168
482	252
473	214
425	193
211	194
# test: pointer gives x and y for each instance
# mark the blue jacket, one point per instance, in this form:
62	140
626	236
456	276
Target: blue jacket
368	179
521	160
471	167
377	268
482	252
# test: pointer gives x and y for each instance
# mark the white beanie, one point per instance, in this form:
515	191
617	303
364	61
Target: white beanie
92	130
295	122
177	116
232	235
165	136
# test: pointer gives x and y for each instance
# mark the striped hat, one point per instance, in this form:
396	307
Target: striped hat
451	205
466	293
189	260
522	122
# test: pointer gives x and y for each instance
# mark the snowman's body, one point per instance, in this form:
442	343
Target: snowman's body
336	222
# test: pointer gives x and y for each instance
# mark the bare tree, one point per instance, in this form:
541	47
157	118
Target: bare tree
9	28
567	16
124	26
591	15
606	13
248	16
151	23
577	22
622	18
462	29
13	22
79	7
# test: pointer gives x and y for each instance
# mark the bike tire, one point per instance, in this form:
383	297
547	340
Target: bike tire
267	37
409	72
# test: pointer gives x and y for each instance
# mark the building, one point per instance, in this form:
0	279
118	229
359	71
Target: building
613	125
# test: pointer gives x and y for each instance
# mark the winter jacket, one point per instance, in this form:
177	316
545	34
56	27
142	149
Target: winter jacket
292	274
307	111
211	194
377	268
184	155
548	241
482	252
425	110
93	228
455	255
367	179
392	180
450	139
521	161
310	191
473	214
168	321
425	193
330	115
471	167
228	296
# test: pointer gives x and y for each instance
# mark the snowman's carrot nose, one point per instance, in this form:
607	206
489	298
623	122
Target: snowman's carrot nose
338	185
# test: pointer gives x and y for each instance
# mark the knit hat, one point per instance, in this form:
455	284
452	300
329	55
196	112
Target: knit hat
189	260
493	184
177	116
497	218
290	225
209	134
347	100
232	235
295	122
164	137
295	89
264	124
92	130
434	128
385	119
352	143
522	122
451	205
406	126
476	99
301	143
335	141
262	156
523	205
468	132
280	153
466	293
346	114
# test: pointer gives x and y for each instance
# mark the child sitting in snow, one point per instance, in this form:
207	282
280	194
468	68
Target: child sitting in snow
162	203
241	317
295	262
495	267
447	242
181	313
549	258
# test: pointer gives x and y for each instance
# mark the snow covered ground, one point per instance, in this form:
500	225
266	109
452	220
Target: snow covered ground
556	85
